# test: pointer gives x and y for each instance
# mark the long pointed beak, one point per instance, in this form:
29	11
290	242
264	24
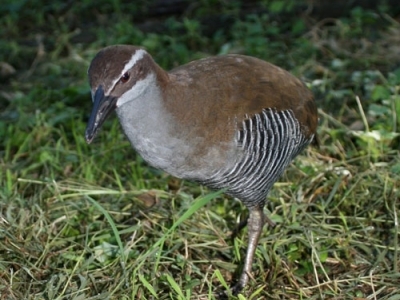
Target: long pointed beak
102	107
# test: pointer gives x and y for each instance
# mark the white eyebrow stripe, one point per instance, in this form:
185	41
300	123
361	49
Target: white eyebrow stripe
135	57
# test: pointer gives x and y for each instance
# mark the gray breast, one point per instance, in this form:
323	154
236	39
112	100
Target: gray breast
270	141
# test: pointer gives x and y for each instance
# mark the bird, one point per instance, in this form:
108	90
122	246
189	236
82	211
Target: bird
229	122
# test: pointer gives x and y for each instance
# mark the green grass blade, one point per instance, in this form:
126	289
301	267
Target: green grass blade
148	286
113	228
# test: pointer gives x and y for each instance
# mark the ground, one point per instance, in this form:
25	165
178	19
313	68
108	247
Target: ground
82	221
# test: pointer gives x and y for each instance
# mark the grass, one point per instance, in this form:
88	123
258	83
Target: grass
95	222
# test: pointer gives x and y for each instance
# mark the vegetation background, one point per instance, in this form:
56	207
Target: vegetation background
95	222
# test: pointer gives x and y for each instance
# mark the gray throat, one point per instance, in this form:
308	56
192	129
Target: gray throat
147	126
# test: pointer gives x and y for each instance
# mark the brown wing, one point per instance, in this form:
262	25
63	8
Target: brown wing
231	88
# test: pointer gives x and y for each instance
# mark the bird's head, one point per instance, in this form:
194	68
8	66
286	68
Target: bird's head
117	75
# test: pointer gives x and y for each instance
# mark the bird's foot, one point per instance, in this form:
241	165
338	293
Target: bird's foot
227	294
237	288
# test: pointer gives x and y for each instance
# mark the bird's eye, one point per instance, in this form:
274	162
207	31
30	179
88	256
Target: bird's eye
124	78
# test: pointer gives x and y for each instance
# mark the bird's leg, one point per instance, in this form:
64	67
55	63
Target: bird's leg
238	228
255	224
244	222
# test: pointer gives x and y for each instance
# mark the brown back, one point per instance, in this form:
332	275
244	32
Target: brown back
212	96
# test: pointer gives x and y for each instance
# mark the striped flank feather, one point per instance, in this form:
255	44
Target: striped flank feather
269	142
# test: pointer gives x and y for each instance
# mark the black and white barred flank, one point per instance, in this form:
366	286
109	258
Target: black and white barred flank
269	141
